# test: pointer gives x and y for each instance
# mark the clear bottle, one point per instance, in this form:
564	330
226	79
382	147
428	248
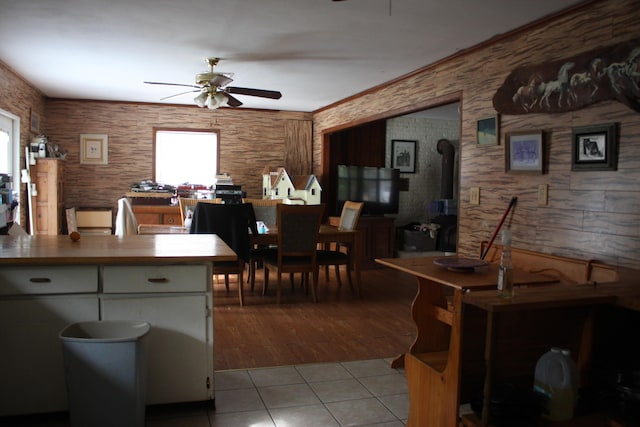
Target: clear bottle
505	270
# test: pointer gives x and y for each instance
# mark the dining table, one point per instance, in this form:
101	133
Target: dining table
327	234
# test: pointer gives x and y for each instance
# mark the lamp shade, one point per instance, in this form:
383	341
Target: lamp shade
201	99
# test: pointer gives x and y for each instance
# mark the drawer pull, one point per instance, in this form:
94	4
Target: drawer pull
40	280
158	280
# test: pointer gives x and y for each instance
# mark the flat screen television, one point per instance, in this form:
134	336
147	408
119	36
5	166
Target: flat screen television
376	187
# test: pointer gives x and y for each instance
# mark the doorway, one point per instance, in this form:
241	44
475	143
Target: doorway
421	197
10	159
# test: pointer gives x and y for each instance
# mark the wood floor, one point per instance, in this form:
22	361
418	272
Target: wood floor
340	327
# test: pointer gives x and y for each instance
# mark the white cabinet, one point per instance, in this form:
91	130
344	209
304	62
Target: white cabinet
49	282
31	357
176	301
36	303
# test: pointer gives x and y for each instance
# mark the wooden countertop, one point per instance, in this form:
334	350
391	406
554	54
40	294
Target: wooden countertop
482	278
158	248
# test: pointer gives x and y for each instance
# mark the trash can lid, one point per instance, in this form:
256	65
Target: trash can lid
105	331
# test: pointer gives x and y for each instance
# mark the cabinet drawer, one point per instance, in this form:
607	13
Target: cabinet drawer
156	278
48	280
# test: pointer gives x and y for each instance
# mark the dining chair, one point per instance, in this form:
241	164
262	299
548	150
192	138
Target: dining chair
327	257
188	205
126	222
232	224
298	227
265	211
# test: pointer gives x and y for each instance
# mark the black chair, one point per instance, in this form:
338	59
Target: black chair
232	224
298	227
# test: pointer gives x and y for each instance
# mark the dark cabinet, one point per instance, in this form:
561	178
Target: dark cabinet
378	238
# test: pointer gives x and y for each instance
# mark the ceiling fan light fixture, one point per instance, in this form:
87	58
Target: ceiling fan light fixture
221	99
201	100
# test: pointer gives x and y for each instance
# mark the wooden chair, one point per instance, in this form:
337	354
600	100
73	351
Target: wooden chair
298	227
265	211
231	223
348	221
126	222
188	204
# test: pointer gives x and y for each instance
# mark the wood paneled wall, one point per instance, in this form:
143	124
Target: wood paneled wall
20	98
249	141
589	214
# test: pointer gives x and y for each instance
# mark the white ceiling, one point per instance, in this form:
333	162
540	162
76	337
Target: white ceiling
316	52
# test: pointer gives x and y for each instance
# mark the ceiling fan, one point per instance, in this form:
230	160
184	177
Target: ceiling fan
214	92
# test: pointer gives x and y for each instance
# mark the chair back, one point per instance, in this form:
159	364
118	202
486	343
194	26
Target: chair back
230	222
350	215
189	204
265	210
126	222
298	227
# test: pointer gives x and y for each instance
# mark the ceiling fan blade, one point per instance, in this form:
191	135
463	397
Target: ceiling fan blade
272	94
178	94
220	80
171	84
232	101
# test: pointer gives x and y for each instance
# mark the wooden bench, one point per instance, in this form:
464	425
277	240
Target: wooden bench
566	270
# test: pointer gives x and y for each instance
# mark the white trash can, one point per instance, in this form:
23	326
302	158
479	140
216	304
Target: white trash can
105	369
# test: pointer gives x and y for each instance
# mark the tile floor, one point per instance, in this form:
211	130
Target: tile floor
360	393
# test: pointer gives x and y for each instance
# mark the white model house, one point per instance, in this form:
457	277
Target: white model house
278	184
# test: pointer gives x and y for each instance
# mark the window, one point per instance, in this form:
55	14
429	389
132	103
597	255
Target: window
185	156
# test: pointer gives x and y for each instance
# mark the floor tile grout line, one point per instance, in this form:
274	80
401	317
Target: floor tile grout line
308	384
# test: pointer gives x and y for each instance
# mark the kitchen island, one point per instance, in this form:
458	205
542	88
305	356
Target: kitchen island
48	282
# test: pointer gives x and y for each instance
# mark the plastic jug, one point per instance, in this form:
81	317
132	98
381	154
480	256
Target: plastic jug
556	381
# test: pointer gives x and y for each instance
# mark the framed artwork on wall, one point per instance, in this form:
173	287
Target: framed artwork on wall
94	149
487	131
403	155
35	122
594	148
524	152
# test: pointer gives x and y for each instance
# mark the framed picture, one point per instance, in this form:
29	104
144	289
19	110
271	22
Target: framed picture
487	131
94	149
594	148
524	152
403	155
35	122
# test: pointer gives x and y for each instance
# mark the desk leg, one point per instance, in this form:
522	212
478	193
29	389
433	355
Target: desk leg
488	360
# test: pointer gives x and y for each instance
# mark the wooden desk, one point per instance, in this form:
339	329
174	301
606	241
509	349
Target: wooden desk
540	298
433	363
327	234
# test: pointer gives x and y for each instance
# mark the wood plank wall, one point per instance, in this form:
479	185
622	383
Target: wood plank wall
249	141
590	214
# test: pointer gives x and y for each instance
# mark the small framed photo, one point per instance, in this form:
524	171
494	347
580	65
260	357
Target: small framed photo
403	155
487	131
594	148
35	122
524	152
94	149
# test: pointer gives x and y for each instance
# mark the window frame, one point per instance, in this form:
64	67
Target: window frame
181	129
